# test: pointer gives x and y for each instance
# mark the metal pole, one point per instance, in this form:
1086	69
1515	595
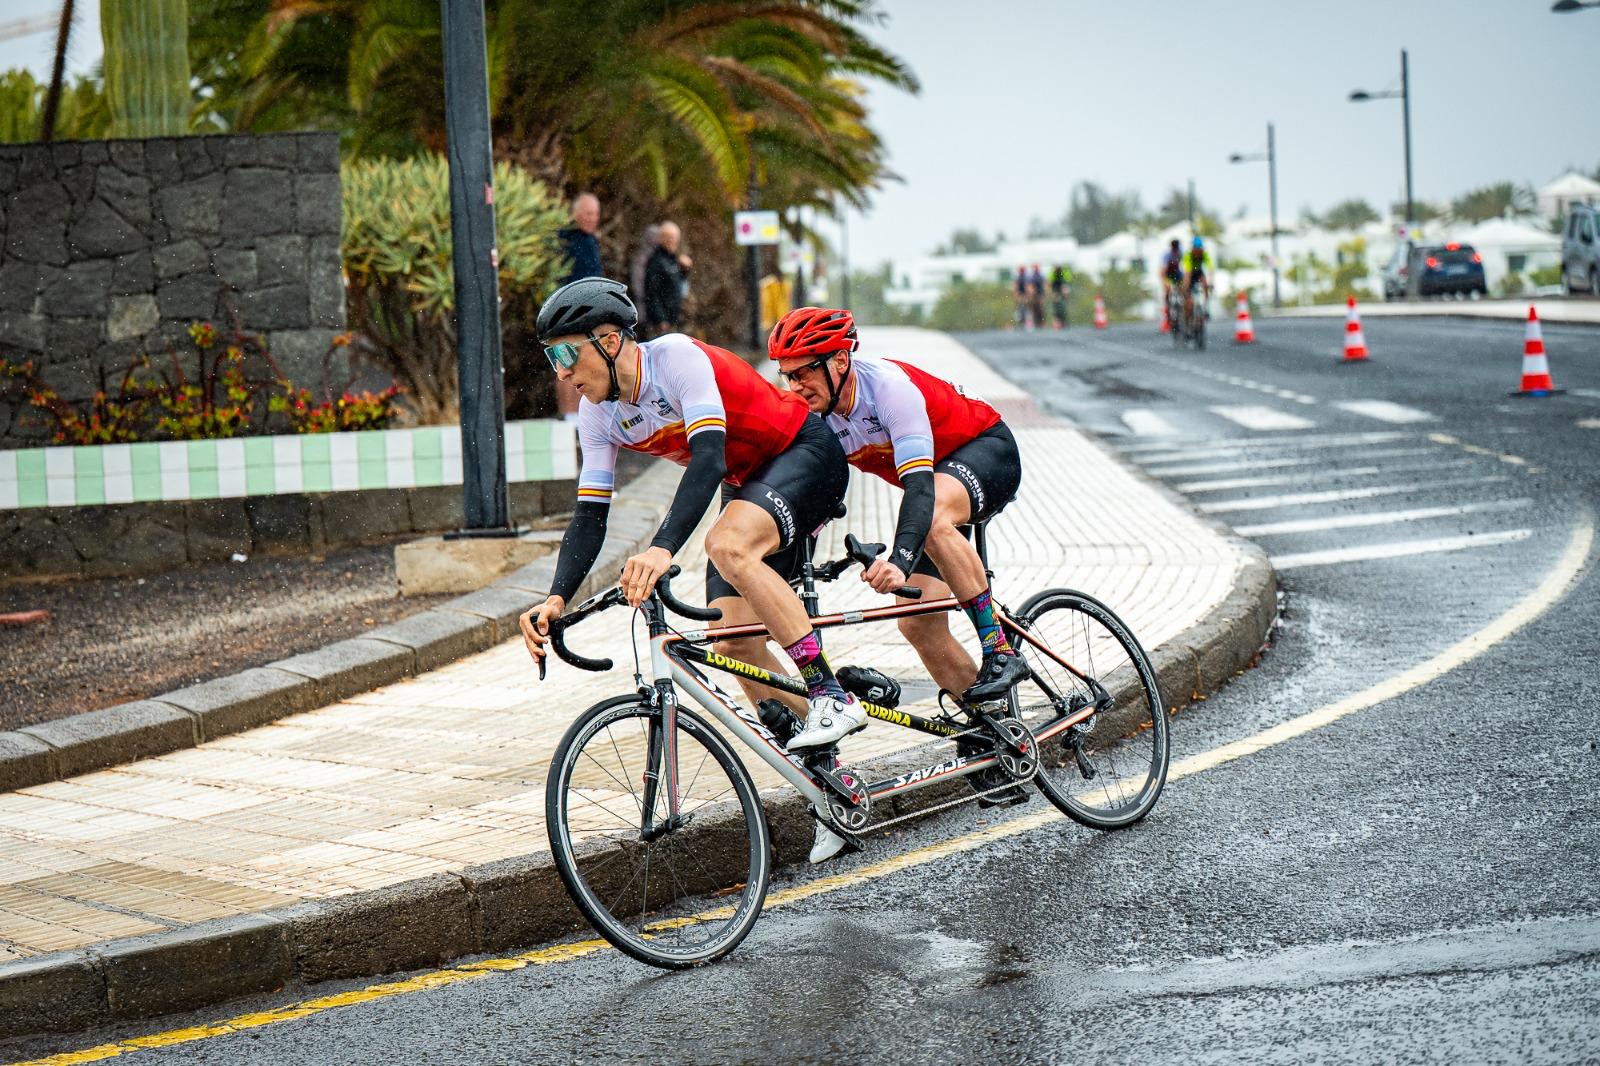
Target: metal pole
1272	180
1192	233
753	270
1405	107
476	262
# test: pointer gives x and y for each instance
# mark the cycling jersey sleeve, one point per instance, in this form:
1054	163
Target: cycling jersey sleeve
690	384
903	411
580	545
707	467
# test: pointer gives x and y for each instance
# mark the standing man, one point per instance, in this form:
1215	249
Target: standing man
1060	292
582	249
1036	296
666	276
1021	291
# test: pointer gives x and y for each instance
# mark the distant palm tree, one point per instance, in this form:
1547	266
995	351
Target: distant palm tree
1493	201
52	98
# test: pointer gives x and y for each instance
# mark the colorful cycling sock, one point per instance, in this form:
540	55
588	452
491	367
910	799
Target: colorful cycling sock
981	610
814	669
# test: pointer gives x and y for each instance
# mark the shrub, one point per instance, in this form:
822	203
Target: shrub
397	250
1546	275
1512	285
973	306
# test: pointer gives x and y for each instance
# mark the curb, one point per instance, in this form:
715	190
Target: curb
171	721
495	907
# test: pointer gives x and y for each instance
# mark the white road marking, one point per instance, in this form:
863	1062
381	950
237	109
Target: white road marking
1589	423
1301	476
1267	503
1375	518
1166	452
1263	417
1148	424
1592	394
1398	549
1192	469
1385	411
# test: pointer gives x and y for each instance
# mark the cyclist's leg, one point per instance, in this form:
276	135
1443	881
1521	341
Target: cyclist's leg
947	661
753	650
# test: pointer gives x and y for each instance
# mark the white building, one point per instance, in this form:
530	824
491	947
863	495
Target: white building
1570	188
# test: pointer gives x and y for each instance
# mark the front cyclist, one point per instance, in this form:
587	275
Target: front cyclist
1195	262
709	411
953	456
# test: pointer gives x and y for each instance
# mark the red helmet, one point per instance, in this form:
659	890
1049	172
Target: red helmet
812	331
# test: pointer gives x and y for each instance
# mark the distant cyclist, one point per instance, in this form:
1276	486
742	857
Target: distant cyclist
1060	293
1171	274
782	471
1195	262
955	459
1020	294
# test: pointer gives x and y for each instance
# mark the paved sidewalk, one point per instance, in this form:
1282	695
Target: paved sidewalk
445	770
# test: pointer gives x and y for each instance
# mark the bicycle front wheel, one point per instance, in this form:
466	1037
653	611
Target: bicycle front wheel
632	874
1107	771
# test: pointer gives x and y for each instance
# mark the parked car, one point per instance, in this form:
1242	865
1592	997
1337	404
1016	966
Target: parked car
1397	272
1448	270
1580	250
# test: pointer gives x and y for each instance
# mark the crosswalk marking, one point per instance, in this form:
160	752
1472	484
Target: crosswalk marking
1266	503
1167	452
1148	424
1194	469
1331	475
1589	423
1385	411
1255	417
1375	518
1399	549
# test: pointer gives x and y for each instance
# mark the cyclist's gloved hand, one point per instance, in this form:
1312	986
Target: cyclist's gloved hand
535	625
642	571
883	576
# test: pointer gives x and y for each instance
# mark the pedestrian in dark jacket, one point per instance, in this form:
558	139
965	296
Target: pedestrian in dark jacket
579	242
666	277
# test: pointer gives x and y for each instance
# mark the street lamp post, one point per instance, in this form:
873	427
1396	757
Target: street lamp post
1271	157
475	259
1404	96
1574	5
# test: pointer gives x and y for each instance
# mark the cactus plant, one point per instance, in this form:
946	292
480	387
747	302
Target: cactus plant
146	66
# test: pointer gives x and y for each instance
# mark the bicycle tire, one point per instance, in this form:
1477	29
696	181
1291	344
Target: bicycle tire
1127	743
587	859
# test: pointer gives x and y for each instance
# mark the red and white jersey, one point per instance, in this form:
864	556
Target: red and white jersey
898	419
683	388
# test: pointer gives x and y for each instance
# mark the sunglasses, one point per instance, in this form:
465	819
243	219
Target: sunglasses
805	370
564	356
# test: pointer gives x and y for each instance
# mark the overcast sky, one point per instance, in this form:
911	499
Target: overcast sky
1023	98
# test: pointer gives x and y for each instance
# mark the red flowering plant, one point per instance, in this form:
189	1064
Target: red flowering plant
107	417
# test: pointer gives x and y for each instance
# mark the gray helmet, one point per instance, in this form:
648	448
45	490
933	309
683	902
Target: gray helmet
582	306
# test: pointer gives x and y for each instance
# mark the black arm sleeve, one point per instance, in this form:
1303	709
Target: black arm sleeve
708	465
916	516
580	546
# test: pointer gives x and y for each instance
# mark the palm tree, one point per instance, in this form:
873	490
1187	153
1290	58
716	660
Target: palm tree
1493	201
52	99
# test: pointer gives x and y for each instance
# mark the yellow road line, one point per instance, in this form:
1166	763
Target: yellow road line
1555	584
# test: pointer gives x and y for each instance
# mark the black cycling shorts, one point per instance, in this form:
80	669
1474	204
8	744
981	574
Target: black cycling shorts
990	469
801	488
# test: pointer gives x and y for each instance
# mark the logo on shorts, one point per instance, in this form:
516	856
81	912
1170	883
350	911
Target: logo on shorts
974	486
784	516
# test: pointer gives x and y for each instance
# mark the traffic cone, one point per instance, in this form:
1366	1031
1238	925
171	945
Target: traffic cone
1166	318
1355	342
1100	319
1243	331
1535	366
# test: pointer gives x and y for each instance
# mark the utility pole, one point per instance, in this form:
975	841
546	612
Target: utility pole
1405	107
476	261
844	257
1272	180
1192	232
753	267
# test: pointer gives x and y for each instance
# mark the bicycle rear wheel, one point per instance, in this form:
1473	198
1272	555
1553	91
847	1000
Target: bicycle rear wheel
1107	771
640	891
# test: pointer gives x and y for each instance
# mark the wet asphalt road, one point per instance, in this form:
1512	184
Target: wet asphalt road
1416	882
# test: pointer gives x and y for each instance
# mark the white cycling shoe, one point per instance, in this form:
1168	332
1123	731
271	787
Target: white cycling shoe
828	721
826	844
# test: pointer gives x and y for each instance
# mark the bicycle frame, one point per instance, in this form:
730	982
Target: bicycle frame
679	661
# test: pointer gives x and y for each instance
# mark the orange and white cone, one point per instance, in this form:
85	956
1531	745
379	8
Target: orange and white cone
1535	364
1100	319
1244	332
1355	342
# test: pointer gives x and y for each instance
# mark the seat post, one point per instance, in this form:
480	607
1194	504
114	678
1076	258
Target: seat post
808	581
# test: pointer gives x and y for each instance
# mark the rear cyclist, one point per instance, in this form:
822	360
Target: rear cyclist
953	456
1195	261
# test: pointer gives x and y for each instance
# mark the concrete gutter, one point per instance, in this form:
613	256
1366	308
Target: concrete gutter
189	716
496	907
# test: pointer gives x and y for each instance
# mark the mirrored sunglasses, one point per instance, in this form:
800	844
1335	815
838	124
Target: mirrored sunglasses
563	356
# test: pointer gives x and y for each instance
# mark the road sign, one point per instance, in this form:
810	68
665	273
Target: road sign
755	227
